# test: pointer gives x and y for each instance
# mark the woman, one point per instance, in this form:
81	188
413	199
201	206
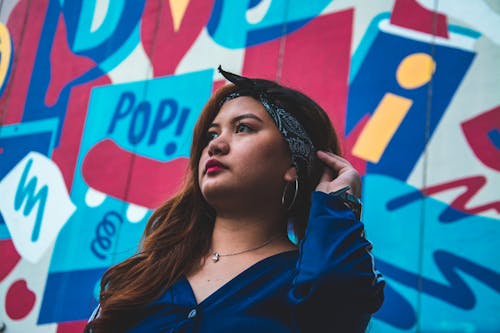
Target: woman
216	257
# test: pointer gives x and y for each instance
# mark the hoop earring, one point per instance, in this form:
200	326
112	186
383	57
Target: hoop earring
295	193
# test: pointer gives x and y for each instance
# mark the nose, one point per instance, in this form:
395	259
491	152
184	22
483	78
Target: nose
218	146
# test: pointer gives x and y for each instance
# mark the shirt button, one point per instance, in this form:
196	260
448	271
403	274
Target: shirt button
192	313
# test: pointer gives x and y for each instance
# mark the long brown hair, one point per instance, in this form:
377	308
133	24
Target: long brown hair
178	234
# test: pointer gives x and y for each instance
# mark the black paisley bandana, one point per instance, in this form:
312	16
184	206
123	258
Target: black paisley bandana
301	146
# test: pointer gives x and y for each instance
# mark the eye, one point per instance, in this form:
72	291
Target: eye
243	128
212	135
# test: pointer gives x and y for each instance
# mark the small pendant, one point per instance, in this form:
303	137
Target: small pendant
215	256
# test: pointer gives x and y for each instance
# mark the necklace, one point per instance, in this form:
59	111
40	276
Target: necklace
216	255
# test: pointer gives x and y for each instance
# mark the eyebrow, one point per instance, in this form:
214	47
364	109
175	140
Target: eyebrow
240	117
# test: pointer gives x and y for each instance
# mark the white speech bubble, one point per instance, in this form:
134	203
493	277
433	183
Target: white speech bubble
35	204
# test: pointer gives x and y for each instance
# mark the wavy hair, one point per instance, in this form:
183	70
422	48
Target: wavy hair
178	234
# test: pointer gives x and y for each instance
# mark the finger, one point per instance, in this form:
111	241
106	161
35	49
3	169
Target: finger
327	175
352	178
339	158
333	161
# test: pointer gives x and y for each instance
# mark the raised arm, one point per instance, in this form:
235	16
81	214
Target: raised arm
336	287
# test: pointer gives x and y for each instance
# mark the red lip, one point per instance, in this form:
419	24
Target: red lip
213	165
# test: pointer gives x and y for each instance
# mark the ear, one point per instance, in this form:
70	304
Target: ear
290	174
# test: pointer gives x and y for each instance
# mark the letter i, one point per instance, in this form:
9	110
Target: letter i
414	71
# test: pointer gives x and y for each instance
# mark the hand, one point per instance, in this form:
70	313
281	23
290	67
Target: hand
346	174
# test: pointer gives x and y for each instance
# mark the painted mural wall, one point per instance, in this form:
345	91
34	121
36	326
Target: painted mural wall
98	99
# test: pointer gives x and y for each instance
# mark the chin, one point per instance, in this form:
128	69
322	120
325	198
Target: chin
211	193
217	196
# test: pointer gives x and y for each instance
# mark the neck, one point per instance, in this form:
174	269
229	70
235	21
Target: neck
233	234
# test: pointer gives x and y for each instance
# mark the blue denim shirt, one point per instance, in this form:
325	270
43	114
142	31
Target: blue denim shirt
329	285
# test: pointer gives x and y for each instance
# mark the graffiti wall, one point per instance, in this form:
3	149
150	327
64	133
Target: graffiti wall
98	99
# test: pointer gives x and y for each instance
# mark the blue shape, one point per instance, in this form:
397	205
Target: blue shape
449	214
458	292
114	45
102	235
229	27
113	60
69	296
105	230
153	117
265	34
215	18
426	259
253	3
396	310
494	136
121	20
365	45
17	140
34	106
104	121
92	240
404	200
375	76
27	193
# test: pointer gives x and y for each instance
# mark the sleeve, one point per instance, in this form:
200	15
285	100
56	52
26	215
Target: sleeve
336	286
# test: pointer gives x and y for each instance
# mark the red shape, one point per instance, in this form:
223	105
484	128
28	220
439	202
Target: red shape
476	132
25	39
165	46
65	66
71	326
358	163
217	84
66	154
9	257
411	15
316	61
19	300
472	186
130	177
261	60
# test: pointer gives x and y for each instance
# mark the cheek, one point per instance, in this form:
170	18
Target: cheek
277	151
272	156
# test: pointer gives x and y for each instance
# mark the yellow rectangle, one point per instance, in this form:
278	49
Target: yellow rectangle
381	127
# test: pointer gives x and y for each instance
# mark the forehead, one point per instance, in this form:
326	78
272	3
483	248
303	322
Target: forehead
242	105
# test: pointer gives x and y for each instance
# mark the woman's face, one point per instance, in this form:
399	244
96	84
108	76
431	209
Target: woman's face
246	157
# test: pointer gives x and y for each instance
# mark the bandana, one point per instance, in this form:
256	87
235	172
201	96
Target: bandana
301	146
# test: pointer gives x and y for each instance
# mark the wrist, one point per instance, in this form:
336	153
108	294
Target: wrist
349	200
